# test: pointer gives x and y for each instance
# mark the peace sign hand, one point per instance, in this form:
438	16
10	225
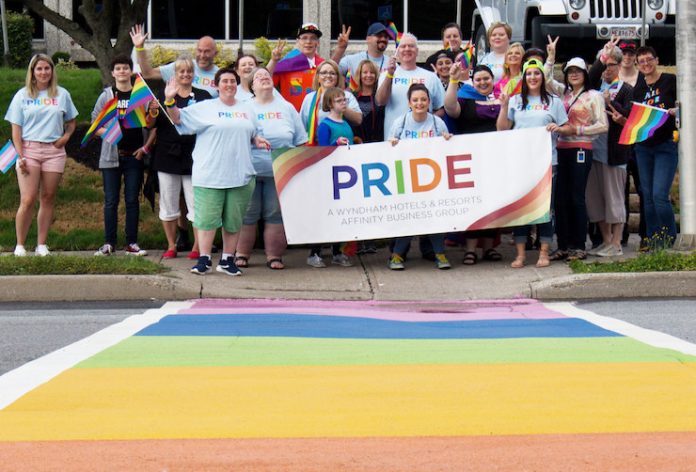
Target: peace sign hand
609	47
277	52
551	48
343	37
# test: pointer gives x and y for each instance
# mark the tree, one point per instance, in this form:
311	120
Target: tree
99	16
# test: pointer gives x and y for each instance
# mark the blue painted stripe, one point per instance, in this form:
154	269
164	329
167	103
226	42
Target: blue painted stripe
312	326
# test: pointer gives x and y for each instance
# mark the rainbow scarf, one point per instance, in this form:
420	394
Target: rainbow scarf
351	83
141	95
108	113
514	86
313	124
642	123
393	32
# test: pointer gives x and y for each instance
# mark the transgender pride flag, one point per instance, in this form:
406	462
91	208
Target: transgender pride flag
8	156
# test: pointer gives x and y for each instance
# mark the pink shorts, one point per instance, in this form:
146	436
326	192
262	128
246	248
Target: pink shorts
44	156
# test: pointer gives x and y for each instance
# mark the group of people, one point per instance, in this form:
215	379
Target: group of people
213	130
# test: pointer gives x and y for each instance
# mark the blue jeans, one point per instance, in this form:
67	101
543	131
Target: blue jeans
657	166
132	171
569	199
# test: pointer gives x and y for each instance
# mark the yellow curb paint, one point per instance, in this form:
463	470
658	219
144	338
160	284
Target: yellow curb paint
356	401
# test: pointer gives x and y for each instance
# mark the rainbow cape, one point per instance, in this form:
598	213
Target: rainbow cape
8	156
294	61
314	118
642	123
350	82
141	95
393	32
108	113
134	119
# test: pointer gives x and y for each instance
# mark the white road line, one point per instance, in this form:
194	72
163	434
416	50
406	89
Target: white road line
22	380
647	336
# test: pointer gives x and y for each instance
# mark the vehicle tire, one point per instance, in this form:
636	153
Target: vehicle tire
481	42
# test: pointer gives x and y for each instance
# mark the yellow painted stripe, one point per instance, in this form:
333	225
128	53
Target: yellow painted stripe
356	401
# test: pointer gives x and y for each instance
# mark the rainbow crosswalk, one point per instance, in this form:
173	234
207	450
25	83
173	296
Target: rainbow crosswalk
232	369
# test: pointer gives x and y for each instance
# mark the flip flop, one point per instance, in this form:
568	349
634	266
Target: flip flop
241	261
275	260
470	258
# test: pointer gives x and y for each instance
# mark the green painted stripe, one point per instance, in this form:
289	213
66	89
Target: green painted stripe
171	351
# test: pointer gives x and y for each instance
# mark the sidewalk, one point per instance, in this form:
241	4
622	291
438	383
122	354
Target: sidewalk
368	279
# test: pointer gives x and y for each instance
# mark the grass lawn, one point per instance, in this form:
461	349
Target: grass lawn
658	261
72	265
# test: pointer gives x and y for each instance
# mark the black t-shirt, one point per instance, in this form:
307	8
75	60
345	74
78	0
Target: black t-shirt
475	118
132	138
371	130
661	94
172	152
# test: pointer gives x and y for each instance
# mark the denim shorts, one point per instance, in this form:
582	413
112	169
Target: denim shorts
45	156
264	203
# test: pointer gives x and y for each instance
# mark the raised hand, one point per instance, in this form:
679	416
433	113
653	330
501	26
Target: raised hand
455	70
551	48
609	47
344	37
504	100
277	52
138	35
171	89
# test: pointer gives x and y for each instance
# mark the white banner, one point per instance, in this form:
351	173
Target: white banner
419	186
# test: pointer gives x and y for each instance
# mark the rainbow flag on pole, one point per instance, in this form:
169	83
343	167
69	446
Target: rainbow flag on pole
108	113
8	156
393	32
141	95
135	119
350	82
467	57
642	123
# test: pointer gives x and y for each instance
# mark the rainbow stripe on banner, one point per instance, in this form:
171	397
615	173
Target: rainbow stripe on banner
108	113
113	133
642	123
533	205
287	163
141	95
393	32
8	156
135	119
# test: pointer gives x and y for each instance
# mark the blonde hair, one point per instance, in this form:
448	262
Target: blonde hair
358	73
184	61
499	24
30	82
513	46
340	80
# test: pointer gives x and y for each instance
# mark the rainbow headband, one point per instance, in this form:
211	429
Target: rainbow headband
532	63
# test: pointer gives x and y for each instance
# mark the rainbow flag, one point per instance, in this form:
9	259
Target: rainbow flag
467	57
8	156
514	87
141	95
113	133
350	82
135	119
448	47
614	84
393	32
108	113
314	118
642	123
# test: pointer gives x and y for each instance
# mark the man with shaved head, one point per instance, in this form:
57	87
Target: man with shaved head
204	65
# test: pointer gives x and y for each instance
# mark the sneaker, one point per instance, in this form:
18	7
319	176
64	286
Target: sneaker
134	250
610	251
315	261
396	262
42	250
169	254
227	266
20	251
342	260
202	266
596	250
441	262
105	250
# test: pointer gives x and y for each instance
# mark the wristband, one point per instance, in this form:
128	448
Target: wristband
146	149
170	102
137	49
452	81
389	76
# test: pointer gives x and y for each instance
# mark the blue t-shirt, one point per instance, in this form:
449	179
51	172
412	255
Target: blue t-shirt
42	118
280	124
537	114
329	131
222	155
408	128
352	61
202	79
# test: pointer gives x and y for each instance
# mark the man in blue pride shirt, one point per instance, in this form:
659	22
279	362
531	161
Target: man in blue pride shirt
204	67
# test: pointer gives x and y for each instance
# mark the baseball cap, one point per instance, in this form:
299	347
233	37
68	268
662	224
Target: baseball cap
628	45
309	28
575	62
376	28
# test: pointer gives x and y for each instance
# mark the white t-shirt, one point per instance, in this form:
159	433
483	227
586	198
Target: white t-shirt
280	124
495	62
202	79
537	114
398	101
42	118
406	127
222	155
351	103
352	61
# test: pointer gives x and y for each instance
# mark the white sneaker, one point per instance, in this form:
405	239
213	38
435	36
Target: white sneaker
134	250
20	251
42	250
315	261
598	249
611	251
105	250
342	260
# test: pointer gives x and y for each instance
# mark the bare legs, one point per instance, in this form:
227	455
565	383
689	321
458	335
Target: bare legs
36	184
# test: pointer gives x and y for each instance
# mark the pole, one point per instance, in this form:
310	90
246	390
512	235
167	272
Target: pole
5	41
644	6
241	26
686	65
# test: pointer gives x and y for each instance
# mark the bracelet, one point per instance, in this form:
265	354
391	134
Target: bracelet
452	81
146	149
154	113
137	49
389	76
170	102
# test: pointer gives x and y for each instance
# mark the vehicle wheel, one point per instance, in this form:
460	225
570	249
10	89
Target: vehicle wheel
481	42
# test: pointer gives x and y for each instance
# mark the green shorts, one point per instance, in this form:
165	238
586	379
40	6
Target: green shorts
216	207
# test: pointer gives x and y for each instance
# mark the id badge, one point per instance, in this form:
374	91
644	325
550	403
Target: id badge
581	156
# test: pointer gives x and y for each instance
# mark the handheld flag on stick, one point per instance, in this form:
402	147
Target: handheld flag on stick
448	47
8	156
642	123
113	133
141	95
135	119
393	32
614	84
107	114
350	82
467	57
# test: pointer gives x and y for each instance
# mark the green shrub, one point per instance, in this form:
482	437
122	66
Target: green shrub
19	31
60	56
63	65
264	47
160	56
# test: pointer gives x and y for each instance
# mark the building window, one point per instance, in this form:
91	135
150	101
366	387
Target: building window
272	18
184	19
18	7
427	17
359	14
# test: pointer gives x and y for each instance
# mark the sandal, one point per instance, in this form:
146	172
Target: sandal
558	255
492	255
543	260
470	258
518	263
278	264
241	261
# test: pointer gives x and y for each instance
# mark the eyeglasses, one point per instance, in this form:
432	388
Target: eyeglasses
339	100
328	72
610	65
646	61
